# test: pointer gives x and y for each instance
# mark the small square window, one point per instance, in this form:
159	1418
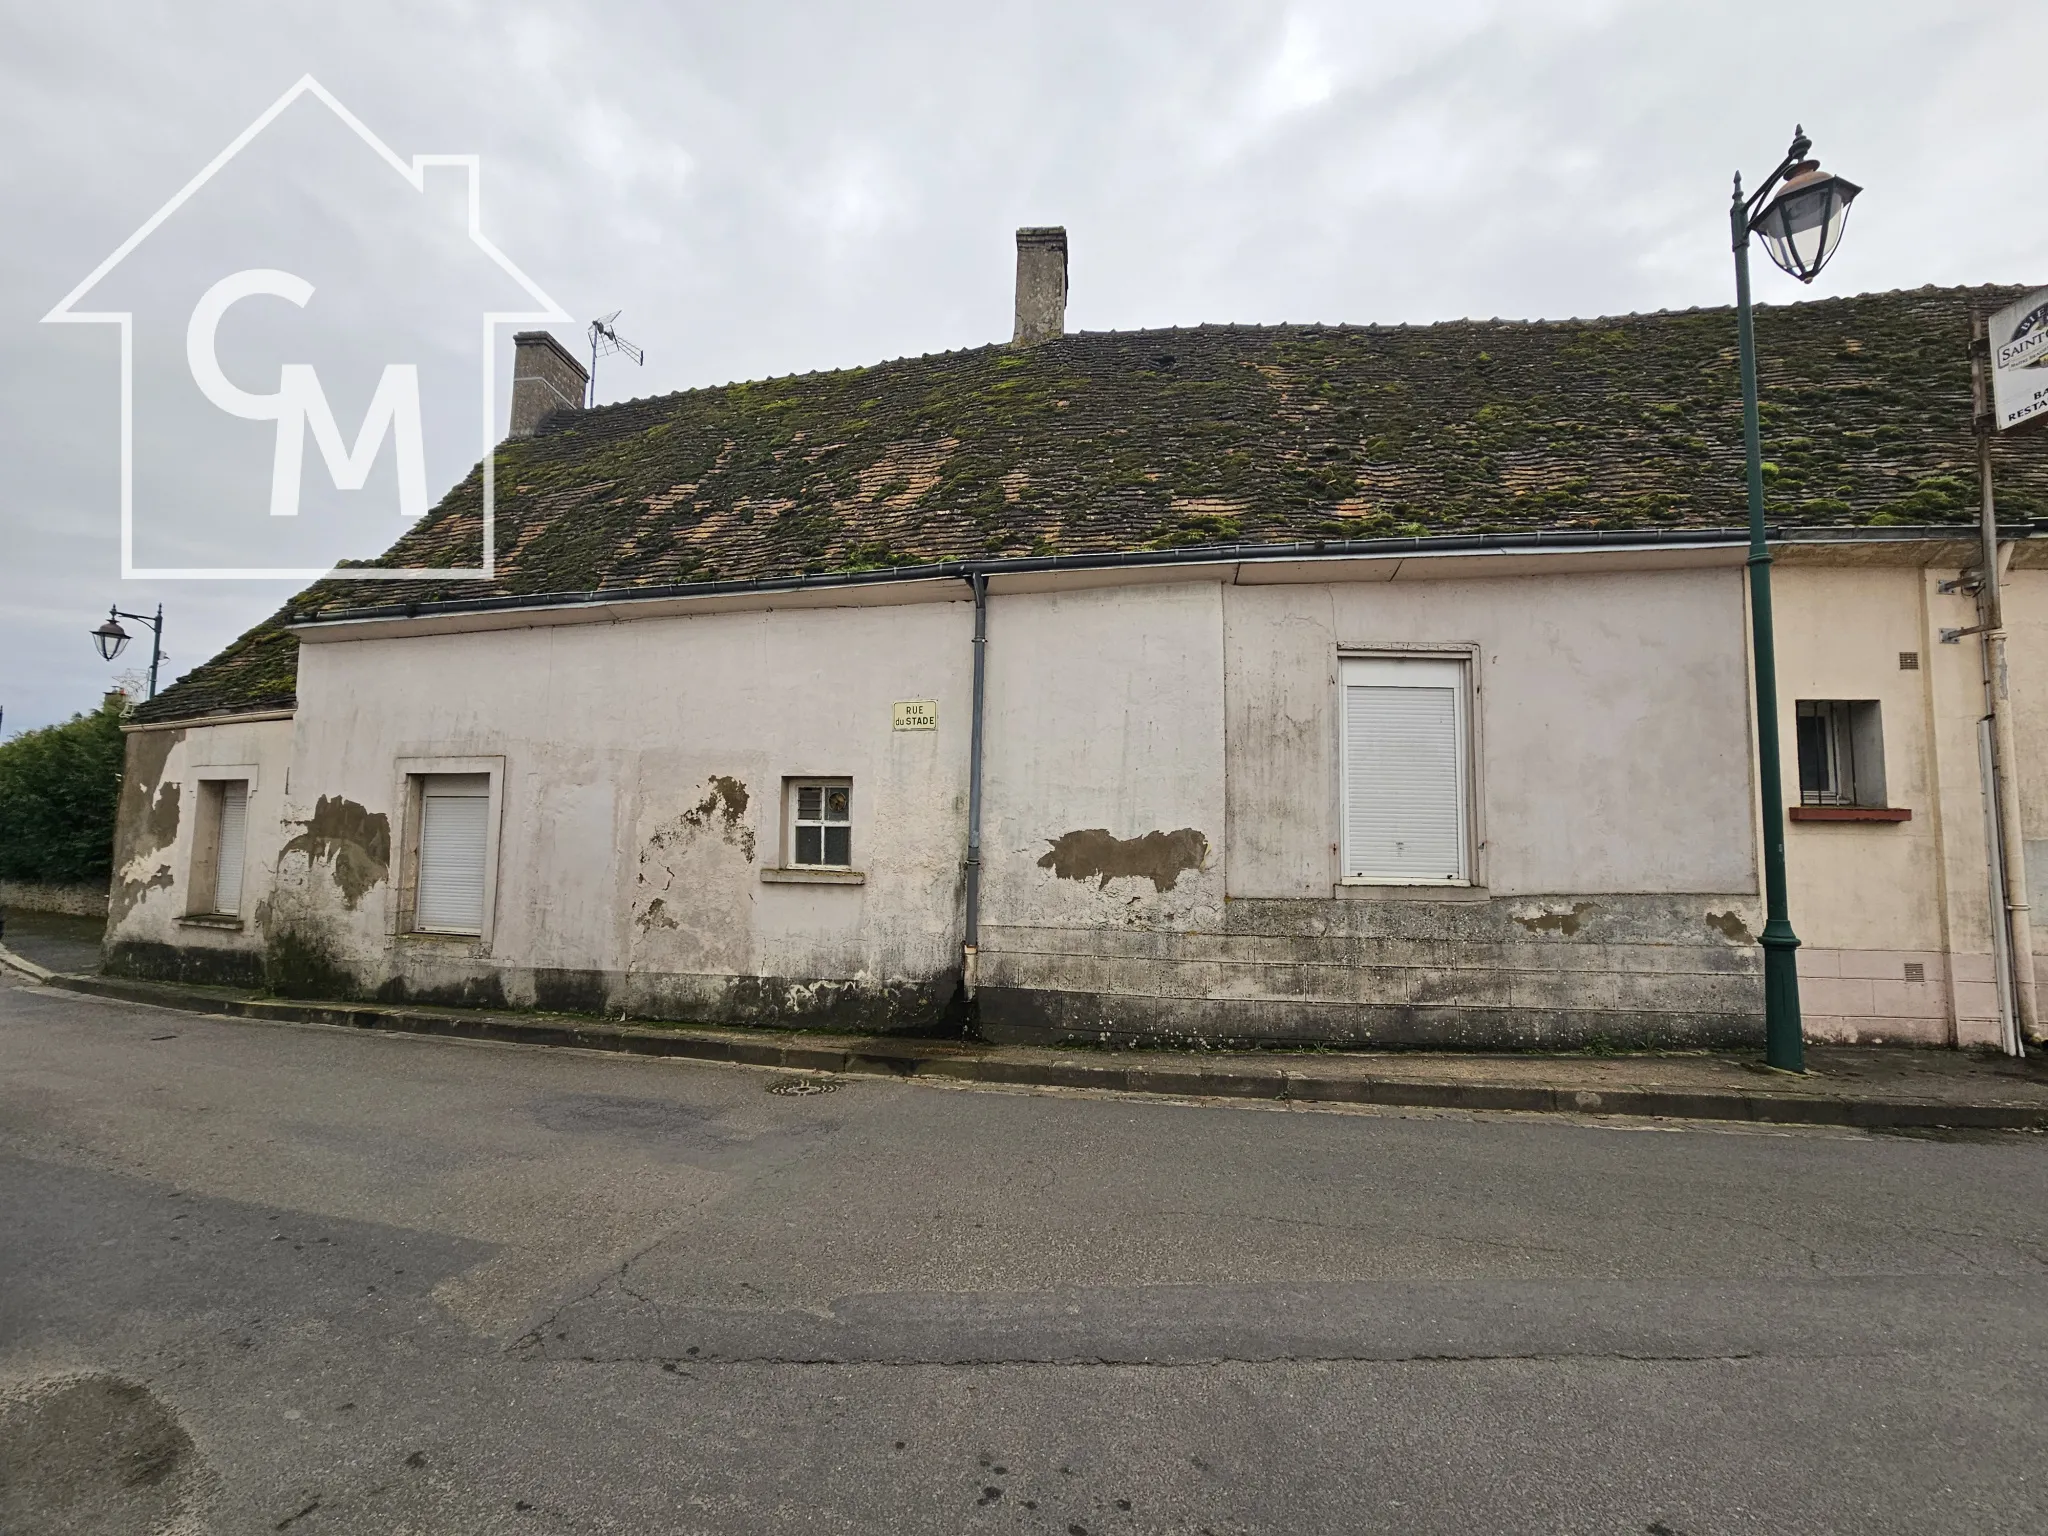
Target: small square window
1841	752
820	823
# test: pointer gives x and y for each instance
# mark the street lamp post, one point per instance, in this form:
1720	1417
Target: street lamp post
1800	228
112	639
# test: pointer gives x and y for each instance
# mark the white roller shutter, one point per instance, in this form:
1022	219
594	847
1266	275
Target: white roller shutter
1404	771
454	820
232	846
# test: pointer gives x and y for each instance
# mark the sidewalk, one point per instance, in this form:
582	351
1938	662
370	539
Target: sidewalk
1867	1087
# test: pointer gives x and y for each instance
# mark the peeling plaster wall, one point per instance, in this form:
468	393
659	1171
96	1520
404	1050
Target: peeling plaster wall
1160	808
1616	873
641	799
1103	799
1160	819
151	893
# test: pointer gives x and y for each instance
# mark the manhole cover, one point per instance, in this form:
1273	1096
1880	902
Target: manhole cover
793	1086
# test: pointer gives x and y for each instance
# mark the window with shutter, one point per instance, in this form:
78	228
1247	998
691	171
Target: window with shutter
454	824
1404	771
231	846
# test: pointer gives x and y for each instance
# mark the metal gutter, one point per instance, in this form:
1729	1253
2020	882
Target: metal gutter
223	717
1190	555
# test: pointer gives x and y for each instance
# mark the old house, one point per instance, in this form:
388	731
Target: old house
1340	683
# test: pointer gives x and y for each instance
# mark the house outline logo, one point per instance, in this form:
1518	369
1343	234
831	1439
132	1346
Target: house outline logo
298	402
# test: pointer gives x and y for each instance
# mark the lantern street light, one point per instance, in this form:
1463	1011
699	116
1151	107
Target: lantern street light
1800	229
112	639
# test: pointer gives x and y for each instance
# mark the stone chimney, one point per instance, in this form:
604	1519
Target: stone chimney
545	379
1041	285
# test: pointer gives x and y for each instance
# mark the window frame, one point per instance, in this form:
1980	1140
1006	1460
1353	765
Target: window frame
1472	837
1854	751
792	787
410	796
202	865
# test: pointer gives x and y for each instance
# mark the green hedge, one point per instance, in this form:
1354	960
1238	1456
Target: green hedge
58	790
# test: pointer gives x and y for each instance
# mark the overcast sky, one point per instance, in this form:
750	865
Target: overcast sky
766	189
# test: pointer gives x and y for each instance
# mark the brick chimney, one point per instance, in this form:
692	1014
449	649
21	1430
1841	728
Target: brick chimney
545	379
1041	285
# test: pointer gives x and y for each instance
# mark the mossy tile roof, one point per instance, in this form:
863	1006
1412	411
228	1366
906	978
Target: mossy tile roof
1129	440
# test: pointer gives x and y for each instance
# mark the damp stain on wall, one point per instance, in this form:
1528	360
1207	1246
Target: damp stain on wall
1094	853
1731	927
1563	923
725	804
354	842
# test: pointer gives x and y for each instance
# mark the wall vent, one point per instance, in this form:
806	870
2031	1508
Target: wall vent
1916	970
1909	661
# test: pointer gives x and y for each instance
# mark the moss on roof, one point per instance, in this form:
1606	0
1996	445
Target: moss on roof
258	671
1113	441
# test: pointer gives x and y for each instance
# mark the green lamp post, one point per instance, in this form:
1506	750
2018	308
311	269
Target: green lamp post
112	639
1800	228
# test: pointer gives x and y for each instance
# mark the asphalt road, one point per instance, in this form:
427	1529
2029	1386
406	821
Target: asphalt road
52	939
262	1278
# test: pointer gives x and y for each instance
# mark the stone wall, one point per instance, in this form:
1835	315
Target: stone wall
69	900
1529	973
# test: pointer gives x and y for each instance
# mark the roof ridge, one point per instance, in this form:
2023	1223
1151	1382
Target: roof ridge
1242	327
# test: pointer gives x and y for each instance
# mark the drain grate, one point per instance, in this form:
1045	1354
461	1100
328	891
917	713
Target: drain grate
792	1087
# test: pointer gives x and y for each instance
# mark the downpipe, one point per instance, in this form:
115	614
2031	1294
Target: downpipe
970	948
2011	913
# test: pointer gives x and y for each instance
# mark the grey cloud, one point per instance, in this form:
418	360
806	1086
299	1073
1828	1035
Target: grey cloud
775	188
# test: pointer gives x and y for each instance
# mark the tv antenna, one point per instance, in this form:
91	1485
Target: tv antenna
604	341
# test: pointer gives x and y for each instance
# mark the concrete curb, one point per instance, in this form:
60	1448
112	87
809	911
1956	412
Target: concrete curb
1290	1079
28	968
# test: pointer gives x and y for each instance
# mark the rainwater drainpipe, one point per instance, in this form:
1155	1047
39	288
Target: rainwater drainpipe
970	949
2011	854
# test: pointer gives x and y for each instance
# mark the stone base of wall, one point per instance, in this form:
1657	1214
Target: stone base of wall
1871	997
1477	973
208	966
1561	972
1016	1016
69	900
291	966
905	1006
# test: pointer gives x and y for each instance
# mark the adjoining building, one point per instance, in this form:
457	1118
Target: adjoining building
1355	684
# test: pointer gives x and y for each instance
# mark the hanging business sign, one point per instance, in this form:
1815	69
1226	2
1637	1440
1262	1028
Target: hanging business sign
2019	361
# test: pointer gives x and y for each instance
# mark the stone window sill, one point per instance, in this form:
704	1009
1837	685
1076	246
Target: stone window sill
226	922
470	943
1849	813
1436	890
1407	885
774	876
